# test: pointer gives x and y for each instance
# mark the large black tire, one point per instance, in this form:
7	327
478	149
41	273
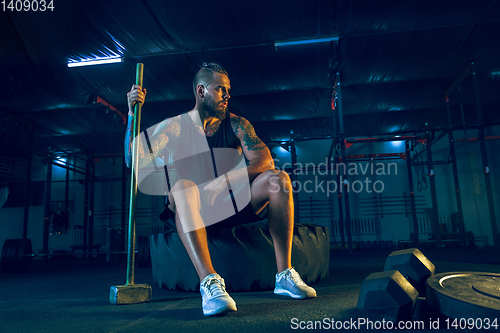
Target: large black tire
243	256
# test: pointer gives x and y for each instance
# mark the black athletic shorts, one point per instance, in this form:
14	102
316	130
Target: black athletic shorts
244	216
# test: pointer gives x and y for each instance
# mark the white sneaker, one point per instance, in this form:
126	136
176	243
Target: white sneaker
215	299
289	283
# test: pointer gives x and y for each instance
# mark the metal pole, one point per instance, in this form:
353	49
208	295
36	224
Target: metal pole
486	168
47	214
124	198
86	207
412	193
329	168
92	183
294	178
489	190
133	183
340	203
340	118
340	113
66	192
453	156
339	138
347	206
435	214
28	185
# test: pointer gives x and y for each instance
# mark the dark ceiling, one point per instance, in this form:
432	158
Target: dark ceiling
395	60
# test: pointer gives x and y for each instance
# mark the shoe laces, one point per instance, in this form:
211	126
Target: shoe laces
293	276
214	286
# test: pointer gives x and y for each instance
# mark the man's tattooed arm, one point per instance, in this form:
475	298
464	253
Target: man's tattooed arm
157	141
254	149
251	141
129	138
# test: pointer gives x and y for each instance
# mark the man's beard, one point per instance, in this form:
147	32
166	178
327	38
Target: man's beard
215	110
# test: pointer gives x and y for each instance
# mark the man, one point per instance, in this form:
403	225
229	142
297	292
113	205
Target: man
211	123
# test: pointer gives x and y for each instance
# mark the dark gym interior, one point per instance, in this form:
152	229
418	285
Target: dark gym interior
383	113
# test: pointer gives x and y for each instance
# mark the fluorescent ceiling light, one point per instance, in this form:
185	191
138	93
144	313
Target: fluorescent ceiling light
307	41
396	143
94	61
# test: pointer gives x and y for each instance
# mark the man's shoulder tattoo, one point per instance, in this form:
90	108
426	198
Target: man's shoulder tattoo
174	127
238	124
241	126
251	139
170	126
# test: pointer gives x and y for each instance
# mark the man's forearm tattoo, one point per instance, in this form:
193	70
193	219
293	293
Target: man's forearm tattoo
158	143
128	151
160	139
128	142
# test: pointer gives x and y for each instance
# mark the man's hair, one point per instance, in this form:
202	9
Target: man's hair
205	74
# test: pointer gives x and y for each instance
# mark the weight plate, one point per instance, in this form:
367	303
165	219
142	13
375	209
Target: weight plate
9	256
24	250
488	288
465	294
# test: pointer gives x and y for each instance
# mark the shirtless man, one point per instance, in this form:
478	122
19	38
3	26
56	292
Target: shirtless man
211	120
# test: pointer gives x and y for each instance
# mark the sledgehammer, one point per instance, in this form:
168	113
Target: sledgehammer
131	293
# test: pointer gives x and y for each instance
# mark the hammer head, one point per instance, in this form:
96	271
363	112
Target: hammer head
130	294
